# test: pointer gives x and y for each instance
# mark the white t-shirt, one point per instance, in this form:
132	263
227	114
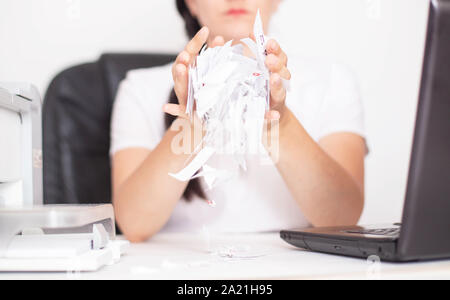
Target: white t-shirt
325	99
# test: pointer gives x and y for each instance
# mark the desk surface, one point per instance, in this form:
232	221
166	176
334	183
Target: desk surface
262	256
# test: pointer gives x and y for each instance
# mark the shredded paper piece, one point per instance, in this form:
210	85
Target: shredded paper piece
230	93
229	250
241	252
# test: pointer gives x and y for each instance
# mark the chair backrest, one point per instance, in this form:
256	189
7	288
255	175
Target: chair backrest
76	127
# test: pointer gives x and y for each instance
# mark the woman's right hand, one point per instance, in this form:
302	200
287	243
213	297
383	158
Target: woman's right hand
180	71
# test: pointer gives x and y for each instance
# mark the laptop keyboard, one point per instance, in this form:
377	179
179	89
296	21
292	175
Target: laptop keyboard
391	232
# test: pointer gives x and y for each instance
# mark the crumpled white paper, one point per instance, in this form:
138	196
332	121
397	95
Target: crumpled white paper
231	94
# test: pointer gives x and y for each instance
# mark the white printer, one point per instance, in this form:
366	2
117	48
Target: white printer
35	237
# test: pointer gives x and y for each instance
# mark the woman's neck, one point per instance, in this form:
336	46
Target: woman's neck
247	51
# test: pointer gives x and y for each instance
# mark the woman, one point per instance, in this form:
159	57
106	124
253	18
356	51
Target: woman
317	179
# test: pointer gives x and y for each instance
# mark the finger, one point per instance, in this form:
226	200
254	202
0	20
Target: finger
274	48
181	82
218	42
196	44
277	90
176	110
183	58
275	65
272	115
285	73
252	36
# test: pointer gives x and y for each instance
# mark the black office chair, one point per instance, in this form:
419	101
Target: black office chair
76	127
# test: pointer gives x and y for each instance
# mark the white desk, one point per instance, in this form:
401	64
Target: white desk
185	256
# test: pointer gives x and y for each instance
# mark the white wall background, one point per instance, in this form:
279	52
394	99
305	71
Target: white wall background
382	40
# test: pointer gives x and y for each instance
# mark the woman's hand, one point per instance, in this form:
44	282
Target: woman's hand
276	62
180	71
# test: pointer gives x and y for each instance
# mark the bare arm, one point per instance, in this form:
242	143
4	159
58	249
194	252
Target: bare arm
326	178
144	194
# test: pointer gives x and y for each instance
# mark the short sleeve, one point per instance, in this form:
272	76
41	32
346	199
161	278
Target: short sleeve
131	126
342	110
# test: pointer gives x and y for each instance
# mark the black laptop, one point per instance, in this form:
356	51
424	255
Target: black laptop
425	230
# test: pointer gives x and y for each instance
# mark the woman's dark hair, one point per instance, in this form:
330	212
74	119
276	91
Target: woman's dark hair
192	27
191	23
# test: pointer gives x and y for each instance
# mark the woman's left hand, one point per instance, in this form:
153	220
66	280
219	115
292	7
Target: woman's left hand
276	62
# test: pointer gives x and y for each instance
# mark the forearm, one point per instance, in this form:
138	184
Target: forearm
145	201
326	193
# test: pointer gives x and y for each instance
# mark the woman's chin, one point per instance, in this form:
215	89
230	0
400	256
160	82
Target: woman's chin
237	35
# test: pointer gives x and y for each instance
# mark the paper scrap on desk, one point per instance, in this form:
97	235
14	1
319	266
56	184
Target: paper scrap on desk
230	93
238	252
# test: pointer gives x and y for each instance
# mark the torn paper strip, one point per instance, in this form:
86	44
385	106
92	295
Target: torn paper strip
230	93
